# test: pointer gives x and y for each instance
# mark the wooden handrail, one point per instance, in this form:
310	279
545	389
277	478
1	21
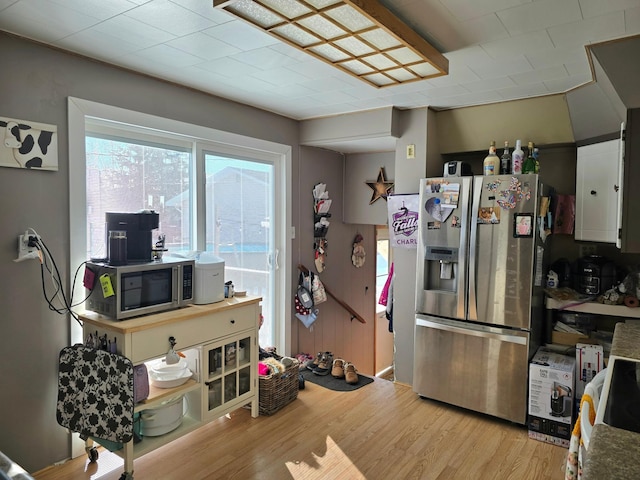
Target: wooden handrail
344	305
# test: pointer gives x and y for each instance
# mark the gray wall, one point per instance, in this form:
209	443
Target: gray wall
35	88
407	180
360	168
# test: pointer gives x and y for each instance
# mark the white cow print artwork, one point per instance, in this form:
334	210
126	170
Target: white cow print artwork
28	145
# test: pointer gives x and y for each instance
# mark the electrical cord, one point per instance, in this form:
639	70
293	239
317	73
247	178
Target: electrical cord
48	262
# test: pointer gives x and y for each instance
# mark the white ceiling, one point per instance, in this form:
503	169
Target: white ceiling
497	49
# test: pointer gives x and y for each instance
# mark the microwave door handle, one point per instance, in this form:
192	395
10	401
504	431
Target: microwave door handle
473	244
177	292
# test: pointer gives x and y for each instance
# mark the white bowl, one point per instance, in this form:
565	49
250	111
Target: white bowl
169	380
160	366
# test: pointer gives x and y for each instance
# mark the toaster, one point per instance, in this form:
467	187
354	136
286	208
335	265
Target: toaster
457	169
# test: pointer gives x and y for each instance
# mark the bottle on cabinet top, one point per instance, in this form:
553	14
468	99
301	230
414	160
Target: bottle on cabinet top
491	164
516	159
505	160
535	157
529	165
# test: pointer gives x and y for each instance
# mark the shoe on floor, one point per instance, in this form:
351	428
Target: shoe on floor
337	370
324	367
350	373
313	364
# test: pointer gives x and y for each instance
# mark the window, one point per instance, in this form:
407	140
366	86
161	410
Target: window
213	191
126	174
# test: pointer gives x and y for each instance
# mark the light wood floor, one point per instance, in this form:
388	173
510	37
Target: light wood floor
382	431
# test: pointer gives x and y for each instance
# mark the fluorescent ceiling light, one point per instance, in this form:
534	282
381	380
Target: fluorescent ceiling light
361	37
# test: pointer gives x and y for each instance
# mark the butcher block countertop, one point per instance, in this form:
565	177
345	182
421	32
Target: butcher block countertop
614	454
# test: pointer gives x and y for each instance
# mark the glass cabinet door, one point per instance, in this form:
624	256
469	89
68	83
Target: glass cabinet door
229	373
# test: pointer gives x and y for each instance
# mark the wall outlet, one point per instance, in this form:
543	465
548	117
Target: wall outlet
588	250
23	245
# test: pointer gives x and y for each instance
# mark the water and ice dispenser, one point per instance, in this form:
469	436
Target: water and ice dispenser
441	268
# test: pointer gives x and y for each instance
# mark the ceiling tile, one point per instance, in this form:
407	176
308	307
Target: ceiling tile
43	20
520	44
523	91
466	10
597	29
539	15
203	46
228	67
241	35
206	9
540	75
561	85
489	84
280	76
549	57
594	8
166	55
135	32
502	67
170	17
265	58
95	8
93	40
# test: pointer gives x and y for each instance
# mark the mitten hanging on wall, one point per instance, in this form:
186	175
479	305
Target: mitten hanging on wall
358	254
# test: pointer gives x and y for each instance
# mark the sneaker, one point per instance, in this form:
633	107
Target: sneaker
338	368
324	367
350	373
315	362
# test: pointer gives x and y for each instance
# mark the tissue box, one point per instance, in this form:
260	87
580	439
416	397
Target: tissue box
589	361
551	398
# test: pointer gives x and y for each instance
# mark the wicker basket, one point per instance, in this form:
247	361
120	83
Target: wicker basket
279	389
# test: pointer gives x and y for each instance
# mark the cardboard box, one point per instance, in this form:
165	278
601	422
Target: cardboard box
589	361
551	397
570	339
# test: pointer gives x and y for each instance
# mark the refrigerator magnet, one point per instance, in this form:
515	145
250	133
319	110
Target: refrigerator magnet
522	225
489	215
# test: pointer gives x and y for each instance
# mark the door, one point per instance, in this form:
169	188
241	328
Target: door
502	245
240	196
476	367
442	246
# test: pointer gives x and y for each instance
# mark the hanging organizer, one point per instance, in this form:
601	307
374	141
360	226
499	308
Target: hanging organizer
321	215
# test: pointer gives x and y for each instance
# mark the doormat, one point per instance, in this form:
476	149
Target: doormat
337	384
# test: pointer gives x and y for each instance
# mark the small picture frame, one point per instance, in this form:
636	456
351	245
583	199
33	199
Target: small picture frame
523	225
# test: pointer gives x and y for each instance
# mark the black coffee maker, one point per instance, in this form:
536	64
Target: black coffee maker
138	227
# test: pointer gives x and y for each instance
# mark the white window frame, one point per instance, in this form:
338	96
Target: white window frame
80	110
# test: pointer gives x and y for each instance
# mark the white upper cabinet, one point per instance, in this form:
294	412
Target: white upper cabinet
599	192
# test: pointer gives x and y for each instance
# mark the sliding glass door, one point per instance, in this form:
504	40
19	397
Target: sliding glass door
239	227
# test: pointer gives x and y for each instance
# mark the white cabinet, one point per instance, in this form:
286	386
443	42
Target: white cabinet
220	342
598	192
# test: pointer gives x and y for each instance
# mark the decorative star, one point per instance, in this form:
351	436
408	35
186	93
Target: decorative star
381	187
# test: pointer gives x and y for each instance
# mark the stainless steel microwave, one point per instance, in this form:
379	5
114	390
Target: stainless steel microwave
125	291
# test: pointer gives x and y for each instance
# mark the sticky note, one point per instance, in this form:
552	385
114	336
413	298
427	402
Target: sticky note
107	288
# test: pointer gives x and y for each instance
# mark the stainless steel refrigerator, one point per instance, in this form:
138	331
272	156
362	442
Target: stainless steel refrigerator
479	298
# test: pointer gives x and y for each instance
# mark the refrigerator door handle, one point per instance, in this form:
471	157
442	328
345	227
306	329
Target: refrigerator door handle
520	340
473	243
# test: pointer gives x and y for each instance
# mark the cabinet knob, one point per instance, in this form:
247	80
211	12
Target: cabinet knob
593	192
616	188
232	321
